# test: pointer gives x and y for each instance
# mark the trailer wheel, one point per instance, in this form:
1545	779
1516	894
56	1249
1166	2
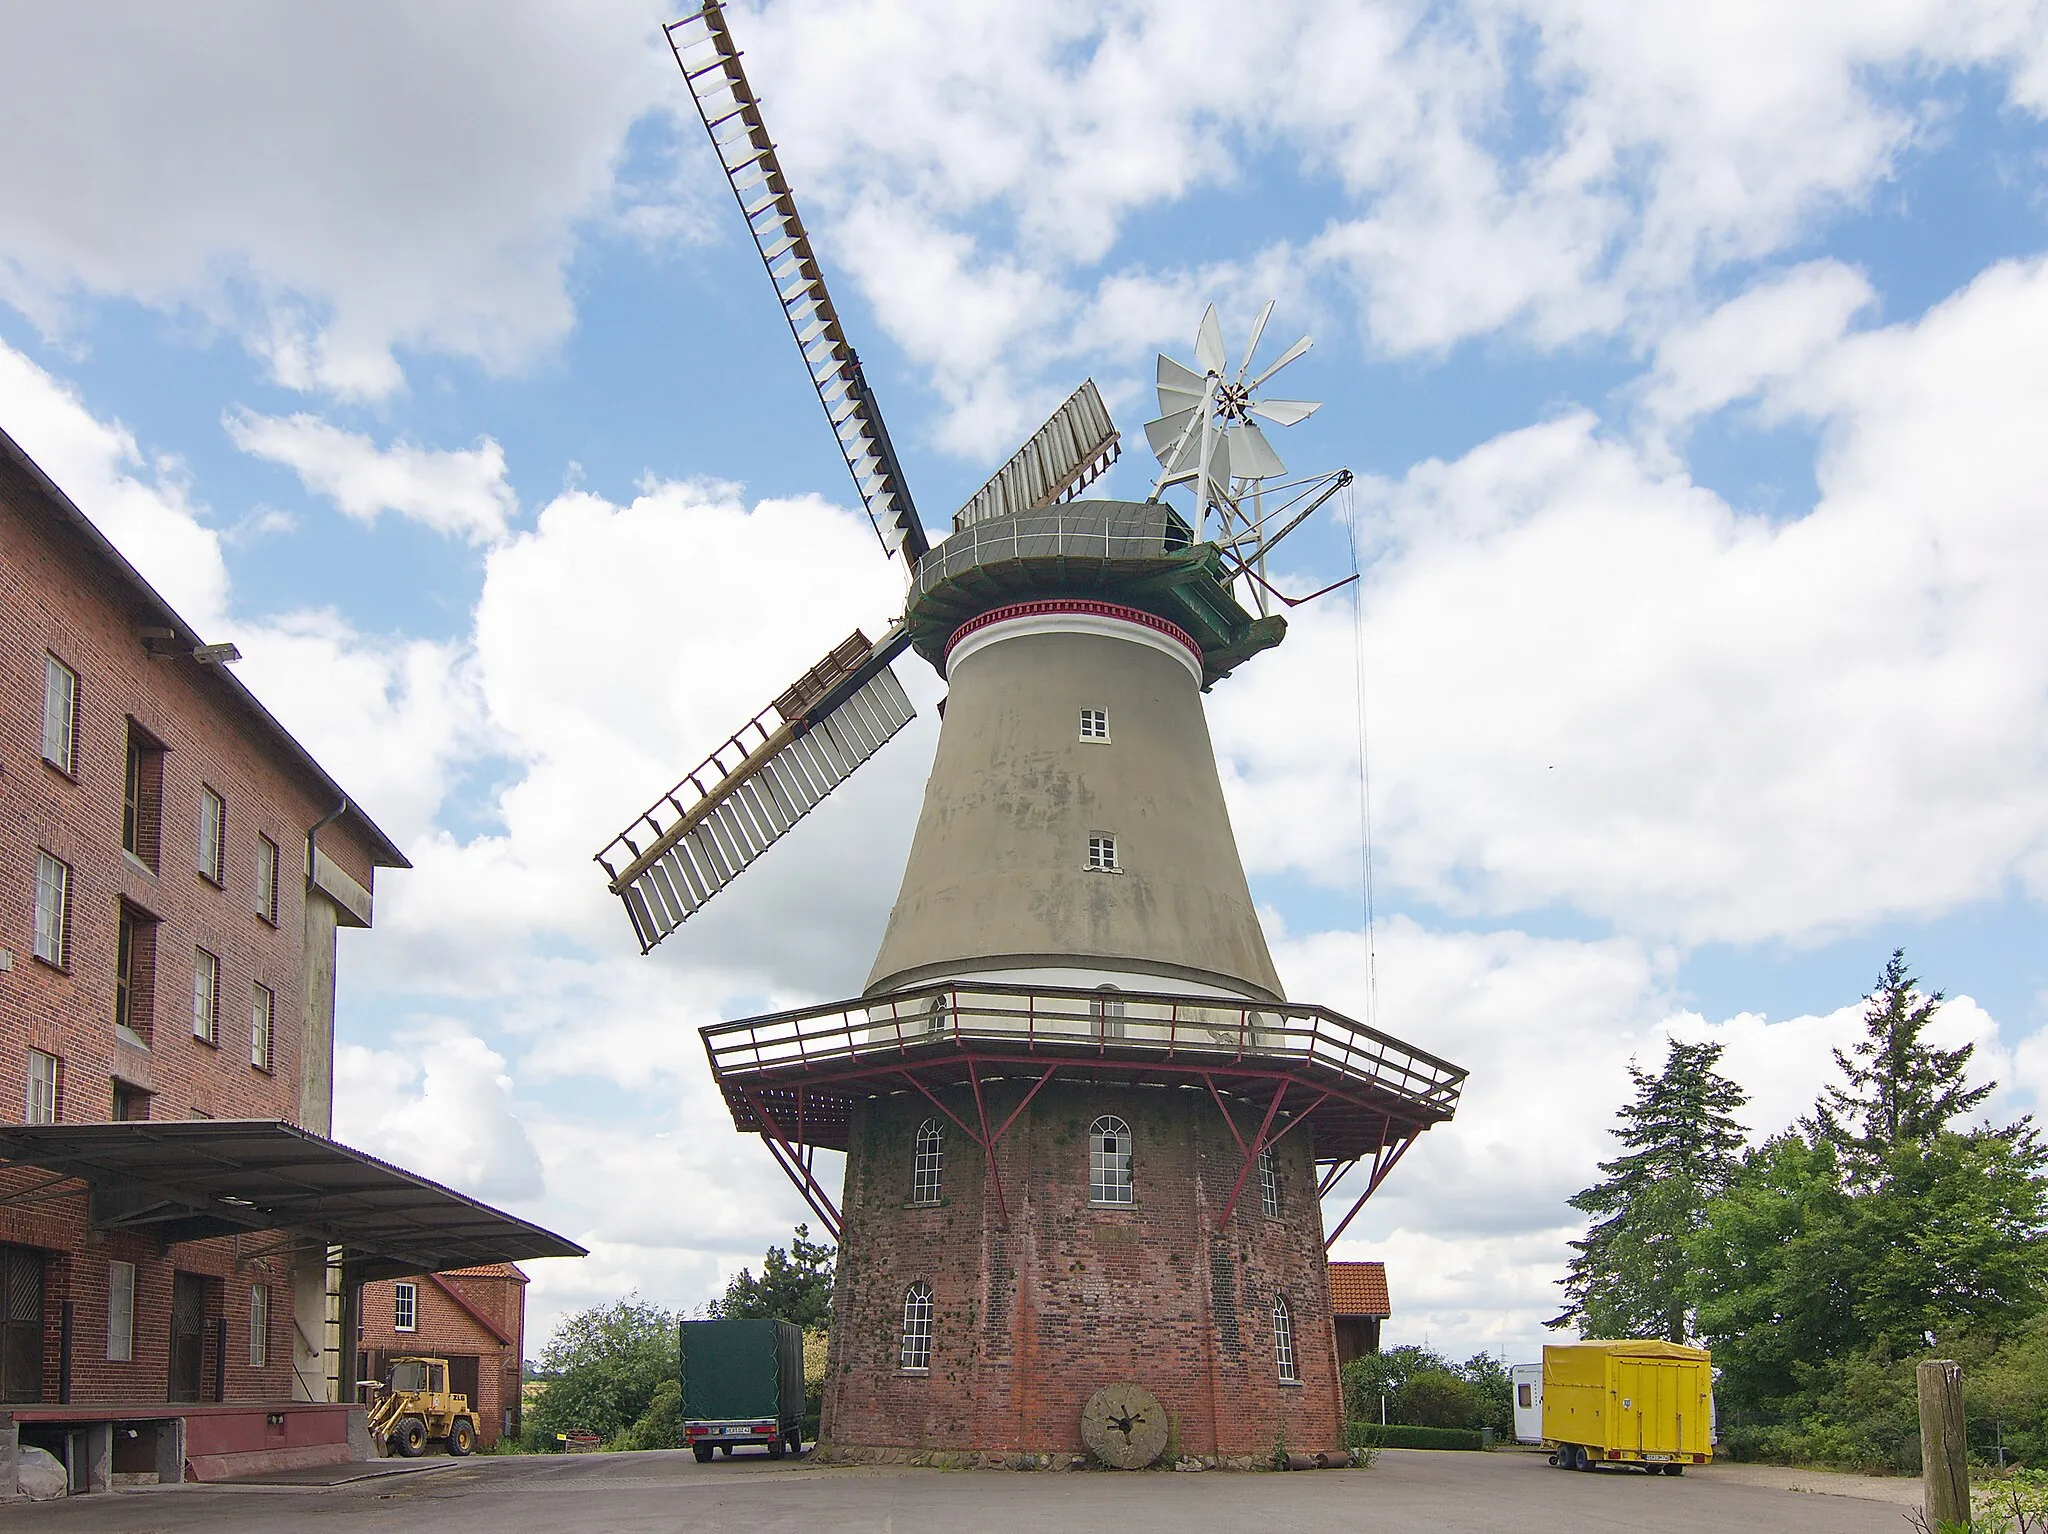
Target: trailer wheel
778	1448
411	1437
702	1451
1579	1459
1674	1470
462	1437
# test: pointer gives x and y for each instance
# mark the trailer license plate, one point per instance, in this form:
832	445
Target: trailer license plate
1657	1459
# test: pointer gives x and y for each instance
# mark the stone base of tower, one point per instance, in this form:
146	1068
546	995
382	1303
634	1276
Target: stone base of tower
1041	1294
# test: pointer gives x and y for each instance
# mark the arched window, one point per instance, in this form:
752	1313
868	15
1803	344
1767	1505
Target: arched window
916	1357
1269	1184
928	1163
1283	1340
1106	1013
1109	1161
937	1014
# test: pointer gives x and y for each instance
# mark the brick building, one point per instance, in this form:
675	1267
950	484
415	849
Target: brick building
174	871
473	1317
1358	1303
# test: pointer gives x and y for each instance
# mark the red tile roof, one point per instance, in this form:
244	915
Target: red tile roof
1359	1289
489	1270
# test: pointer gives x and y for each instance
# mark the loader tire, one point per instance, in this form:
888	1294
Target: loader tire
462	1437
410	1436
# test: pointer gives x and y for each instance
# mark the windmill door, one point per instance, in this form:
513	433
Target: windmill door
21	1323
188	1335
1650	1405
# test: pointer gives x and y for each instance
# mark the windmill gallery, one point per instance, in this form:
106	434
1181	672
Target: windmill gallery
1087	1136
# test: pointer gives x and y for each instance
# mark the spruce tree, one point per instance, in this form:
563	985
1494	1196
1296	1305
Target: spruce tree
1630	1277
1896	1087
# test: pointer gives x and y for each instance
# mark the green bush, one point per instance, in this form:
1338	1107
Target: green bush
1417	1437
661	1425
1434	1398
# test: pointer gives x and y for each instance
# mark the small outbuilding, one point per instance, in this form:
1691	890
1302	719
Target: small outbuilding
1358	1304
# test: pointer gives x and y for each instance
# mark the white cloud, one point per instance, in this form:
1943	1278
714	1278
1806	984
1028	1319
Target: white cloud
329	186
460	491
441	1105
142	505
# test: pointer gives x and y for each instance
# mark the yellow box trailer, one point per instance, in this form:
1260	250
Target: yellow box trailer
1646	1404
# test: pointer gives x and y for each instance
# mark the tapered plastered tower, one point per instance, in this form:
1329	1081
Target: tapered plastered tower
1086	1134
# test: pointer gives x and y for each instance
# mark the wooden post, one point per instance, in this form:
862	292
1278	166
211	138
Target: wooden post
1944	1468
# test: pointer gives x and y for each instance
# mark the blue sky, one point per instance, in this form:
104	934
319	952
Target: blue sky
1689	363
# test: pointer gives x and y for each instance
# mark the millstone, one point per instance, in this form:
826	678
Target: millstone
1124	1426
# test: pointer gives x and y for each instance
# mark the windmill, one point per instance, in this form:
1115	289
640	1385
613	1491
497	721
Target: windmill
1087	1135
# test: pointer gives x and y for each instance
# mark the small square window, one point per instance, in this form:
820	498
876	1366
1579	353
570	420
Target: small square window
405	1307
205	997
1095	724
266	879
1102	855
45	1083
60	716
53	910
262	1027
213	826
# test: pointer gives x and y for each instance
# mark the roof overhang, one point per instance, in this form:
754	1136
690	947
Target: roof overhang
188	1180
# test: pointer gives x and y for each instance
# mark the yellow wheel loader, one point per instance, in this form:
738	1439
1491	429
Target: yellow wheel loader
415	1407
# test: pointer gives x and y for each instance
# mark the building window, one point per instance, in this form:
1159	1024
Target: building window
1102	855
259	1325
142	797
262	1027
916	1357
120	1312
1525	1397
405	1307
45	1082
1283	1341
53	910
131	1104
928	1163
60	716
266	879
1269	1185
1106	1013
1095	724
213	833
135	976
205	997
1109	1162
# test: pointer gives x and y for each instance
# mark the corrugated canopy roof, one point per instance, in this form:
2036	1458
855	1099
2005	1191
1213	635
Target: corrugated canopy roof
1359	1289
187	1180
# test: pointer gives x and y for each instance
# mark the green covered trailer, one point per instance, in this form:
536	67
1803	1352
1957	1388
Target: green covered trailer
743	1382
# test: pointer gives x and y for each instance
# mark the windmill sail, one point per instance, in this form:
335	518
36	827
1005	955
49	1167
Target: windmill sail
710	62
1063	457
698	837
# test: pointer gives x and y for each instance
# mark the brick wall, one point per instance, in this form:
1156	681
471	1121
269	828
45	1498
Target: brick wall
58	598
1032	1319
445	1330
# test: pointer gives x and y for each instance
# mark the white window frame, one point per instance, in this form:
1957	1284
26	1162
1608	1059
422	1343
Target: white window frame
1109	1163
1269	1184
928	1163
262	1027
1095	726
266	878
1283	1341
60	715
915	1356
1102	854
206	996
120	1312
259	1326
405	1306
45	1088
213	835
53	910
